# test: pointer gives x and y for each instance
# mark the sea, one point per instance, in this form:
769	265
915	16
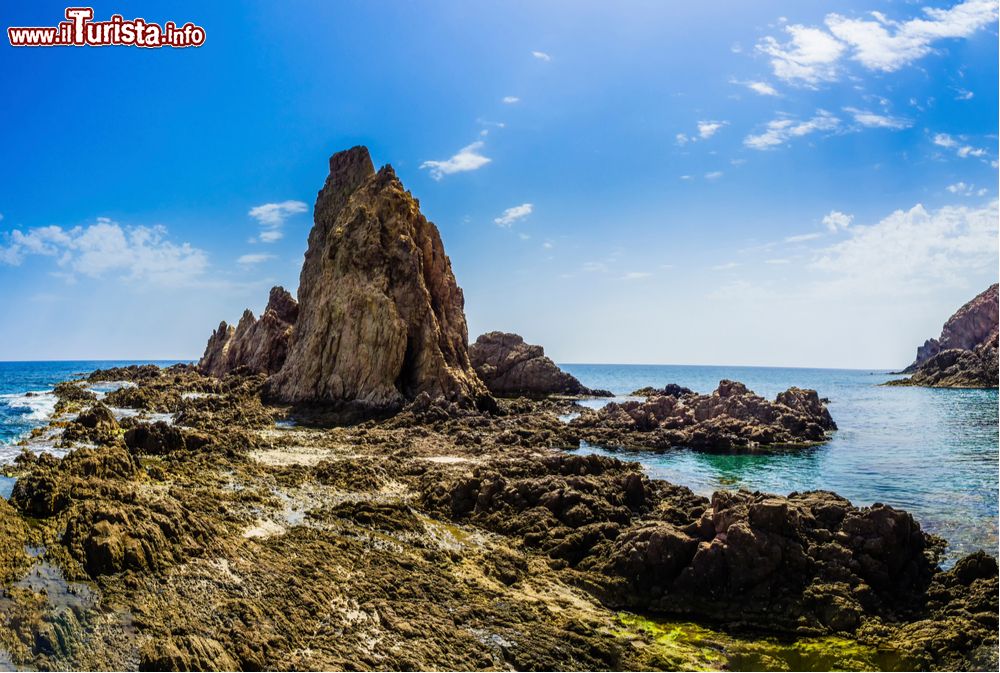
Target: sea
931	452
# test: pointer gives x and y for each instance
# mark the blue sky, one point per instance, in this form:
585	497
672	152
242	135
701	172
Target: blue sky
767	183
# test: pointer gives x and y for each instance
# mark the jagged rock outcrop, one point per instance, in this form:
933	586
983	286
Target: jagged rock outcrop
510	367
732	418
965	355
381	317
260	345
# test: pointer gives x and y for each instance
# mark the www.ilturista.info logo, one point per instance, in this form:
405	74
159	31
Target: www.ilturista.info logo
80	30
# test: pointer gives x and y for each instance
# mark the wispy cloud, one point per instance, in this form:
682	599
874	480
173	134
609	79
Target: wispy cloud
813	54
466	159
802	238
251	259
271	218
761	88
510	100
636	275
541	56
780	131
713	175
961	148
875	120
963	189
512	215
139	253
725	267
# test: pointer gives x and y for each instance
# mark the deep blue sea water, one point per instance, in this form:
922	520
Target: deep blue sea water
930	452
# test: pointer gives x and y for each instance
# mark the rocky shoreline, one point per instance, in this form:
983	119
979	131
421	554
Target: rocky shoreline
441	537
344	483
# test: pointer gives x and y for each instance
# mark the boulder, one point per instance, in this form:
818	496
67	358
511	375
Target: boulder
381	317
510	367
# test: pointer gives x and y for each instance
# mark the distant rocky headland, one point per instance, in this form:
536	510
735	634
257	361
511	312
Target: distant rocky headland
965	355
345	483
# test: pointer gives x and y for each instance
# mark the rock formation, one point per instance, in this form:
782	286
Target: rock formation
259	345
381	317
510	367
730	419
965	355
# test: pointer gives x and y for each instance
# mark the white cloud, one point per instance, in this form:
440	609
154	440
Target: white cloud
762	88
811	54
962	150
510	100
802	238
249	260
875	120
511	215
963	189
272	216
780	131
138	253
836	220
916	247
595	267
962	94
809	57
707	129
636	275
714	175
682	139
466	159
725	267
885	45
541	56
777	261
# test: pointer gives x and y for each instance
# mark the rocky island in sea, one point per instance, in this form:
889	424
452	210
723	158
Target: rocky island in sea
344	483
965	355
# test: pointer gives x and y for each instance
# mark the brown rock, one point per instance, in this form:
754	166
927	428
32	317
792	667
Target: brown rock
965	355
381	317
259	345
732	418
510	367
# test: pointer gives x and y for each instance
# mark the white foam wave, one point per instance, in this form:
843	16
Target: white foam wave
40	404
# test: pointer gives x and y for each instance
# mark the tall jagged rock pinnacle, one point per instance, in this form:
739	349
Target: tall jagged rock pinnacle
259	345
381	317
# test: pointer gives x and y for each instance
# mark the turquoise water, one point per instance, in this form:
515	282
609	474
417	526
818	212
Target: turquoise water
931	452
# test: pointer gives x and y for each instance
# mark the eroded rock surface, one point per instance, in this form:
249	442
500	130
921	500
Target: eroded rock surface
259	345
732	418
510	367
444	537
381	317
965	355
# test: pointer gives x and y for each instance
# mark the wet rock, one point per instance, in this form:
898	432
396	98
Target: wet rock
129	373
510	367
732	418
96	424
381	317
671	389
71	396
